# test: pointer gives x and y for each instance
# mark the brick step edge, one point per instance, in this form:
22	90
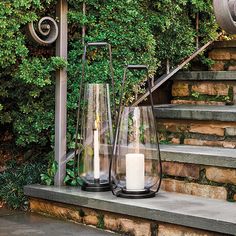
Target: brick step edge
195	212
206	76
196	112
210	156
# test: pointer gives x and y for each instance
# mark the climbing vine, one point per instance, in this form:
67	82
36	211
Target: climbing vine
145	31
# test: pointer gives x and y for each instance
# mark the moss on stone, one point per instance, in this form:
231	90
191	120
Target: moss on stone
231	93
81	213
101	223
154	229
204	97
181	138
165	142
231	190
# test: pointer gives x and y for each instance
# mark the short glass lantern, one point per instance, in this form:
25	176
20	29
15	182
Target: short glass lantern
135	169
94	132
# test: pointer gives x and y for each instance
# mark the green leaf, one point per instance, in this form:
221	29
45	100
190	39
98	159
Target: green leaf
67	178
44	177
73	182
80	181
48	182
70	173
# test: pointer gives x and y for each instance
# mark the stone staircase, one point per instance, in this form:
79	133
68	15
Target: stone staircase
199	154
198	129
198	148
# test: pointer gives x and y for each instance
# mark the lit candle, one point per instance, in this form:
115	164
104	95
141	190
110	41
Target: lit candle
96	155
134	172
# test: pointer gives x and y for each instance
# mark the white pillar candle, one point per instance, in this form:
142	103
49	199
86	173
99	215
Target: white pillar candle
135	172
96	156
96	139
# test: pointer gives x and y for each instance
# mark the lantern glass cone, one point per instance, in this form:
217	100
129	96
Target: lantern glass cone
135	169
96	138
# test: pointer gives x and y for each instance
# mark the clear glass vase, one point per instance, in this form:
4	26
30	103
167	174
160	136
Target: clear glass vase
135	166
96	138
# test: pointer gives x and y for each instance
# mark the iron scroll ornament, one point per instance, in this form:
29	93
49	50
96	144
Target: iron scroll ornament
46	31
225	13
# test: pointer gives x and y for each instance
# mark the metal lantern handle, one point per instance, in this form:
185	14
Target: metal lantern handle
134	67
98	44
91	44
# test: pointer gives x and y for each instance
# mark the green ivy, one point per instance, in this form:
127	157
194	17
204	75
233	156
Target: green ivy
143	32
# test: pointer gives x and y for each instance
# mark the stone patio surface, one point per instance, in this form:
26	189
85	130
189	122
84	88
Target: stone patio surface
19	223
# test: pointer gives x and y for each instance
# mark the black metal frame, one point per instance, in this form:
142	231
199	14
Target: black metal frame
96	187
124	193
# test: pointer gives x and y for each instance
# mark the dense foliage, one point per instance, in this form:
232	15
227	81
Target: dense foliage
139	31
14	179
145	31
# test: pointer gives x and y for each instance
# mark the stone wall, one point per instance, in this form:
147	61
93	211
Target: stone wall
204	92
223	54
199	180
199	133
210	92
122	224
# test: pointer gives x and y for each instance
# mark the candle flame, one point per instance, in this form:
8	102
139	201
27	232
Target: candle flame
96	123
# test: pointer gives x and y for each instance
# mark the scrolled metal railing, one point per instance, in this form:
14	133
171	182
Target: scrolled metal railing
45	32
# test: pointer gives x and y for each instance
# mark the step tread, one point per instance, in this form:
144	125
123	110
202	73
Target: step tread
213	156
196	112
196	212
205	75
224	44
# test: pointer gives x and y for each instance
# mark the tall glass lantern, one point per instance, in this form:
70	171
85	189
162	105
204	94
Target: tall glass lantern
135	169
94	136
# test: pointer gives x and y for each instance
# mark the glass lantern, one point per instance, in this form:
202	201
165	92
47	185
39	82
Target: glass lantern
135	169
94	134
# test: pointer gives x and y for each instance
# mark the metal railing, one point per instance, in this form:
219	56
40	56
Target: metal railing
172	72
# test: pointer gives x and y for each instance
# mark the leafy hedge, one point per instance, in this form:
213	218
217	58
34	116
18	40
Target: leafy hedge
14	179
143	31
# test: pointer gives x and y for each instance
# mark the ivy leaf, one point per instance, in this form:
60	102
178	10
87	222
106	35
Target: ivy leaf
70	173
67	178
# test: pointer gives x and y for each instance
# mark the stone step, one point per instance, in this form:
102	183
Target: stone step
224	44
204	88
165	209
200	155
206	76
201	171
196	112
223	53
197	125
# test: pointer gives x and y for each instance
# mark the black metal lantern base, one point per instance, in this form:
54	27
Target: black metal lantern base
97	186
135	195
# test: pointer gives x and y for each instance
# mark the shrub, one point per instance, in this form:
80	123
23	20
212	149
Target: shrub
14	178
144	31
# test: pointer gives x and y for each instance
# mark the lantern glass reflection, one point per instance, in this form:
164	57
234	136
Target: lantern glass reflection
135	170
96	138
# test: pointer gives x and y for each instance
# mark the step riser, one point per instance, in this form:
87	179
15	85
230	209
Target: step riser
123	224
199	180
223	54
199	133
204	92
